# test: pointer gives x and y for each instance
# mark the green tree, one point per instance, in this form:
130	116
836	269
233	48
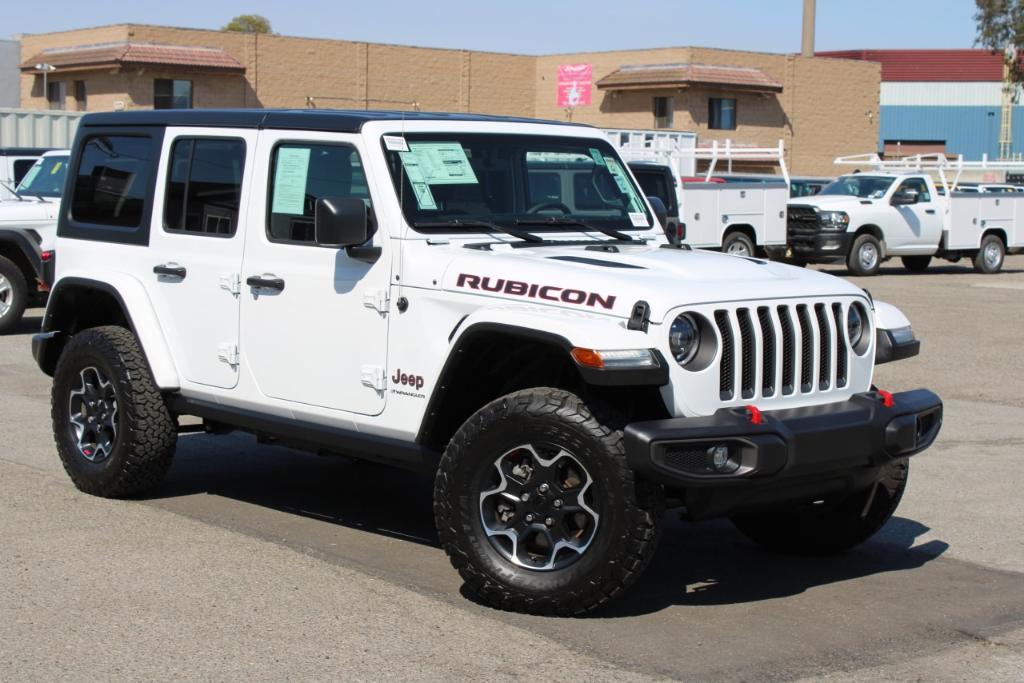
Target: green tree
1001	29
249	23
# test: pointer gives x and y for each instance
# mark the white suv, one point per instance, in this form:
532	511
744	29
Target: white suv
489	299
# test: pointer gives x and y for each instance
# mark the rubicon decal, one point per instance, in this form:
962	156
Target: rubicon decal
534	291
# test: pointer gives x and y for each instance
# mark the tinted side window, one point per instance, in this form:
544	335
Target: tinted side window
21	167
919	186
112	181
302	173
204	186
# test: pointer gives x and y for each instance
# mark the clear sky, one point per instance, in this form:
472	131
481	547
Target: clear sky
543	26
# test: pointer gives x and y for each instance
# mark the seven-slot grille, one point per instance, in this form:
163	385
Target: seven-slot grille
782	350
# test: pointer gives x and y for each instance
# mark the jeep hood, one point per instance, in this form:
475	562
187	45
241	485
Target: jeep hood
597	281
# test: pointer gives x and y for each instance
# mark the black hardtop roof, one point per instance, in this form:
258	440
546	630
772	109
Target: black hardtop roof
331	120
24	151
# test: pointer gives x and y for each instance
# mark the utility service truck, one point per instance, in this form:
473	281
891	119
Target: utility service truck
897	209
741	218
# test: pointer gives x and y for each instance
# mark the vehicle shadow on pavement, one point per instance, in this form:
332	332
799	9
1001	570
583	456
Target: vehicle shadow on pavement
697	564
28	325
933	270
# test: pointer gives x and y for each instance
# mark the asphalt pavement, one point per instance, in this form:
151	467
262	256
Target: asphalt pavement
261	563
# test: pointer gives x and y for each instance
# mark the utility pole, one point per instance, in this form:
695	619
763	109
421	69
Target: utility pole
807	41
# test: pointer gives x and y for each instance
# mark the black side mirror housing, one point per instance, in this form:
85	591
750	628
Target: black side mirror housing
341	222
905	198
660	211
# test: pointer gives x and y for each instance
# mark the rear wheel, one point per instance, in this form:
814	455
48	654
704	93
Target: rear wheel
537	509
828	527
13	294
916	264
114	433
738	244
865	255
989	258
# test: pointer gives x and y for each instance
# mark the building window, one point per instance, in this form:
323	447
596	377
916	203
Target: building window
663	111
204	187
170	94
721	113
56	92
80	98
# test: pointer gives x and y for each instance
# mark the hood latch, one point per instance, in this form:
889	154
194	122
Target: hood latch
640	318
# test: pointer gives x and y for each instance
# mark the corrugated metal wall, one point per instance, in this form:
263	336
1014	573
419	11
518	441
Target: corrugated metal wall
38	128
970	131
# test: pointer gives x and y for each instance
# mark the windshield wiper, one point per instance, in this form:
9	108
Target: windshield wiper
14	192
474	223
560	220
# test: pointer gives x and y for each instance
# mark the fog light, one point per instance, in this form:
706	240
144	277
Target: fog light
721	460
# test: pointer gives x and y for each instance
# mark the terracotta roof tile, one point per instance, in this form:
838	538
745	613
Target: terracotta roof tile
125	54
650	76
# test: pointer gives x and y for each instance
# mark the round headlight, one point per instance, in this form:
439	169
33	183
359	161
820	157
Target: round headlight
684	338
854	325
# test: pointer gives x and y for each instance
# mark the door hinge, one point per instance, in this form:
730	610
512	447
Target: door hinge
228	353
377	299
373	376
231	283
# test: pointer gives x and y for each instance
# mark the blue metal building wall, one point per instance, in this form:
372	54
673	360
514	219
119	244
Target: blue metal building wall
967	130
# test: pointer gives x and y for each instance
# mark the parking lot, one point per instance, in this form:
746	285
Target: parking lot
258	562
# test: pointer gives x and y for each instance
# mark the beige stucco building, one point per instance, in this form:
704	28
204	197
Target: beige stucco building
819	107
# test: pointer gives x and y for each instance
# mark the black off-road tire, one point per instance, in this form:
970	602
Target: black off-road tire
738	240
993	245
630	508
916	264
831	527
146	434
856	264
16	296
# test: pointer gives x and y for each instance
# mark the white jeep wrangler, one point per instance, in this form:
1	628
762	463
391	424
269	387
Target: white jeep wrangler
486	298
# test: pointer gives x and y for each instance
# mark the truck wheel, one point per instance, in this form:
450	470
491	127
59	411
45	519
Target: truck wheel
13	295
830	527
114	433
865	256
537	509
916	264
989	259
738	244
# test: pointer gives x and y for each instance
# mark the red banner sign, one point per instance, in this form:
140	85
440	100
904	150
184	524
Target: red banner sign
574	85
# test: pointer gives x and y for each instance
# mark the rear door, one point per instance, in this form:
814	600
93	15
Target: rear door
195	249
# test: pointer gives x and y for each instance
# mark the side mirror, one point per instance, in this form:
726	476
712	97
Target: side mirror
660	212
341	222
905	198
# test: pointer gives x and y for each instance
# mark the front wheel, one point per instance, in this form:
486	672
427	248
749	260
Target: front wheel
13	294
827	527
989	259
537	509
865	255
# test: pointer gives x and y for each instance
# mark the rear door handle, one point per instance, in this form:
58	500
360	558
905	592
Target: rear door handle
170	270
268	282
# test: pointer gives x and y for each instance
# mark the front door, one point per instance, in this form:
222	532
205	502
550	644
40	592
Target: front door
195	252
919	225
314	319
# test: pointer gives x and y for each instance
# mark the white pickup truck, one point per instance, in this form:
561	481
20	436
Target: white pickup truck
866	218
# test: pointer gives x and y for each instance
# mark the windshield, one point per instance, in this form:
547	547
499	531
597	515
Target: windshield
863	186
542	183
45	178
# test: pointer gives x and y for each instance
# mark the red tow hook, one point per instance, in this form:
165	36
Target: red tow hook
754	415
887	400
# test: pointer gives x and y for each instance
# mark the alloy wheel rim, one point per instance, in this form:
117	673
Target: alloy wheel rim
92	411
738	249
992	255
538	514
6	293
868	256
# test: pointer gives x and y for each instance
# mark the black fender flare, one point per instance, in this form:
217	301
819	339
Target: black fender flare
29	248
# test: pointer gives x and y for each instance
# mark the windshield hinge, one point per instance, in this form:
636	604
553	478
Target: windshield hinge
373	376
377	299
231	283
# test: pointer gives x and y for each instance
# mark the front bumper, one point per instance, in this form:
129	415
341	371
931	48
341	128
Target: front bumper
820	246
793	456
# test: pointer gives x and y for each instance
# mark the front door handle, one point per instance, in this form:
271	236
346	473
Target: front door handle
931	211
170	270
268	282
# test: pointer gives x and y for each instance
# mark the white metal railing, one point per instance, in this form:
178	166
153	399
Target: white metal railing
935	162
